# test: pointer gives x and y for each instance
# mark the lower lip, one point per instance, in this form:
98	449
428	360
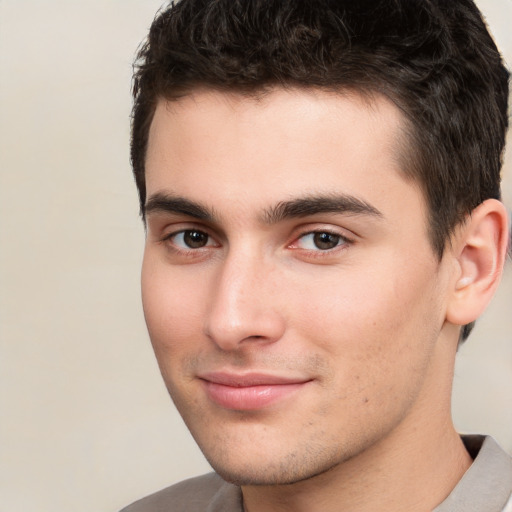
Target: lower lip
249	398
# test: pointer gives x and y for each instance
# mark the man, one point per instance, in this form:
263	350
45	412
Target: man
320	186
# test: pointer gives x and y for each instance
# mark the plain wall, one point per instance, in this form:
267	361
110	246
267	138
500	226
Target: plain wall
86	424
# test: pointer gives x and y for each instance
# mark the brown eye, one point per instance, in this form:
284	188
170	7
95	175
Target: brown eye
325	241
191	239
321	241
195	239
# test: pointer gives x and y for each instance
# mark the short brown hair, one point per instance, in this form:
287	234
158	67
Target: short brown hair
434	59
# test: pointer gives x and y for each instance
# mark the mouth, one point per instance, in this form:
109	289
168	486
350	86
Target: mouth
249	392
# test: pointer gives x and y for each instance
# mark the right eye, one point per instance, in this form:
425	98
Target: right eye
190	239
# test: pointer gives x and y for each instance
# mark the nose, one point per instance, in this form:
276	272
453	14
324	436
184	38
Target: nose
243	306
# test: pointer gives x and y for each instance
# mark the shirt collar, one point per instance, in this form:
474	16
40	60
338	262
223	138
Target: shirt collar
487	484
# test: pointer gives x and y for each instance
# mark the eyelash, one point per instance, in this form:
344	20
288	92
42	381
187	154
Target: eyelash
341	243
168	240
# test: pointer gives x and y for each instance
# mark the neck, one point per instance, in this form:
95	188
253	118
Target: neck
415	477
414	468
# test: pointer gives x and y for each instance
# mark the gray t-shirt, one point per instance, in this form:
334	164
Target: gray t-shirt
485	487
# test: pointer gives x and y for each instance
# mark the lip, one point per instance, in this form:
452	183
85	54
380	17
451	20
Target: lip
249	392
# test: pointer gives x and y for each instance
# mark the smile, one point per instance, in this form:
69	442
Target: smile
248	392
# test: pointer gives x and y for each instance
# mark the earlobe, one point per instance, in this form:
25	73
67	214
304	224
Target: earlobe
480	248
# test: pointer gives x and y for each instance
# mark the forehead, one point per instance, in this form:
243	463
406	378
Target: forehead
277	117
227	148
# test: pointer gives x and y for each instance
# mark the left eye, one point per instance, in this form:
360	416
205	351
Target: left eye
320	240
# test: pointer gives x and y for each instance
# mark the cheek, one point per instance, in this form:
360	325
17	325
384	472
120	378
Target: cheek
378	359
373	322
172	308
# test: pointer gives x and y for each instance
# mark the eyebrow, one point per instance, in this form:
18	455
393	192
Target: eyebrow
295	208
312	205
165	203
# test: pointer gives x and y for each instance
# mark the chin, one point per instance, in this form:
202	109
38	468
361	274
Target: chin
267	476
246	470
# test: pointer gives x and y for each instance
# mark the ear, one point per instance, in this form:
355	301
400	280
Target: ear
479	249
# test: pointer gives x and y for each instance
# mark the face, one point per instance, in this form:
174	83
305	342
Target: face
291	295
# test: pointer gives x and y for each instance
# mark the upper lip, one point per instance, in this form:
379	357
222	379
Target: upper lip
249	379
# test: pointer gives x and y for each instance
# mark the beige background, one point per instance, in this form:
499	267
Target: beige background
86	424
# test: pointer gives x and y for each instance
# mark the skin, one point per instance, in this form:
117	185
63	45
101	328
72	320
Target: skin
358	316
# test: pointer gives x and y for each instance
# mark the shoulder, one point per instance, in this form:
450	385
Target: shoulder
192	495
487	484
